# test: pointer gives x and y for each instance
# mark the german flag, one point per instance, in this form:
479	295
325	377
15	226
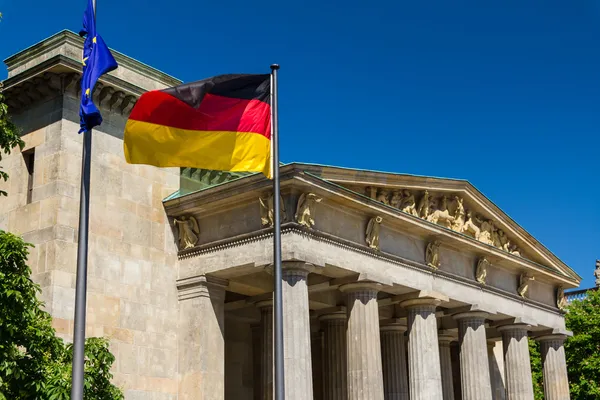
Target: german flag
221	123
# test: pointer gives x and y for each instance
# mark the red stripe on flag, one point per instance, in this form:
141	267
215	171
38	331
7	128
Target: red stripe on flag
216	113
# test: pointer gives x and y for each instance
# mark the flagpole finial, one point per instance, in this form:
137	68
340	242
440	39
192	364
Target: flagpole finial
274	67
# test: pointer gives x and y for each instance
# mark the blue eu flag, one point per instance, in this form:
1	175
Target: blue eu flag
97	60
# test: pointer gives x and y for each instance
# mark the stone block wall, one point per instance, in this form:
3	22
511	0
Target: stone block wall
132	297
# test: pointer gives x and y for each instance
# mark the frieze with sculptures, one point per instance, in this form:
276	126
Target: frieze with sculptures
448	211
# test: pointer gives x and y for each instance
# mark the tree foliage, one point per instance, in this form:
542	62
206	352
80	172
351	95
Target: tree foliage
582	350
9	135
34	362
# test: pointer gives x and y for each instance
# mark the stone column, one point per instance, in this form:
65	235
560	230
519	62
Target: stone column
363	348
474	363
496	379
425	377
556	381
393	354
256	361
266	347
335	367
316	344
446	366
202	338
517	366
296	327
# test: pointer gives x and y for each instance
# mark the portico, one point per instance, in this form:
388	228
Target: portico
386	289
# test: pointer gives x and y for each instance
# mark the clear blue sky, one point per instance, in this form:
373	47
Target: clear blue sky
505	95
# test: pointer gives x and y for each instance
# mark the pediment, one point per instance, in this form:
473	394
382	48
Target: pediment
452	204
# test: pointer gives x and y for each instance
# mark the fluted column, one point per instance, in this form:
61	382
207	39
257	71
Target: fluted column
266	347
363	348
335	367
393	354
556	381
517	366
446	365
424	373
296	326
474	363
498	391
202	340
316	344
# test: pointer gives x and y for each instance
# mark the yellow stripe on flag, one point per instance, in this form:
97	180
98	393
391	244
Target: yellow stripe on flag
164	146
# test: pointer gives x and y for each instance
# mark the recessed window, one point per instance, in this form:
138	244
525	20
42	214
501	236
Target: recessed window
29	158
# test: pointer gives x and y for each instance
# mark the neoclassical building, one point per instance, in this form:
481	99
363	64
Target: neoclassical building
395	286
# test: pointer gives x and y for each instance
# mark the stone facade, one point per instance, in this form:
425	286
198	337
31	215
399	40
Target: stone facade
395	286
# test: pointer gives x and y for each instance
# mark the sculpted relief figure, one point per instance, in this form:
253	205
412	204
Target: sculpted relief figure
459	214
503	240
442	216
396	200
424	204
513	249
432	254
267	214
597	273
470	228
372	234
188	232
408	204
481	271
305	210
561	299
524	281
487	227
382	196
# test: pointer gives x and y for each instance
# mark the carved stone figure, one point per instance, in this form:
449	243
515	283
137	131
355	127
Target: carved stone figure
481	272
485	235
396	200
513	249
372	234
305	210
597	273
408	203
432	254
561	299
267	214
188	232
503	240
470	228
524	281
459	215
442	216
423	209
383	196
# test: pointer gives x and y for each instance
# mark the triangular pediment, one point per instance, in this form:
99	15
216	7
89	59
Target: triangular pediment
455	205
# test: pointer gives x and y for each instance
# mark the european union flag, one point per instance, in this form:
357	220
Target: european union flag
97	60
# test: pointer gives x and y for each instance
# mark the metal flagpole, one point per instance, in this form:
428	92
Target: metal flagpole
279	384
82	255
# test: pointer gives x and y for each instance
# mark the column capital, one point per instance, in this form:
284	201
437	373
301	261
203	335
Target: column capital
471	314
514	327
552	337
446	339
395	327
264	304
201	286
426	301
361	286
337	315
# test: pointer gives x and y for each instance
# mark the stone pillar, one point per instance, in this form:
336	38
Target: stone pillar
202	338
296	327
446	366
335	367
496	379
393	354
424	373
266	347
556	381
363	348
316	344
474	363
256	361
517	366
